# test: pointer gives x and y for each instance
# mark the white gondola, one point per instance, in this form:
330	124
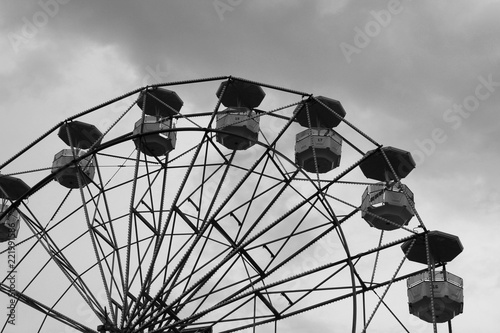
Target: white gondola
68	176
447	296
318	150
387	206
161	141
238	128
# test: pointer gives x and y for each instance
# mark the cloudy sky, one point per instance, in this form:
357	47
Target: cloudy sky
420	75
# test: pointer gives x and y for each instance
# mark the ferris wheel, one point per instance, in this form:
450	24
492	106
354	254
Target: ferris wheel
217	205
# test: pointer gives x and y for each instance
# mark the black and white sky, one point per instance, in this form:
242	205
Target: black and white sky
420	75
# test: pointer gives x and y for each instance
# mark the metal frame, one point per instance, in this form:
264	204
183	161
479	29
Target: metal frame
166	261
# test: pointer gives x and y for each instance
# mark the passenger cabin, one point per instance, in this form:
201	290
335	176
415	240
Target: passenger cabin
387	206
238	125
318	150
160	106
9	224
70	168
238	128
442	289
67	175
161	141
447	296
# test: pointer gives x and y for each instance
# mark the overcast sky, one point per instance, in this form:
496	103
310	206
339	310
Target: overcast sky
419	75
